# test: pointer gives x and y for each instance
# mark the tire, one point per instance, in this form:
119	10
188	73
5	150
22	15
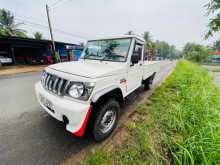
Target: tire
148	82
106	120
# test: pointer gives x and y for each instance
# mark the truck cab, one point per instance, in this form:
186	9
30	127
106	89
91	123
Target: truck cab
87	94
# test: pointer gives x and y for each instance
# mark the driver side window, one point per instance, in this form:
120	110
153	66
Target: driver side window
137	53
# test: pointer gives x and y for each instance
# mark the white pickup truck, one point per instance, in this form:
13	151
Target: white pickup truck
87	94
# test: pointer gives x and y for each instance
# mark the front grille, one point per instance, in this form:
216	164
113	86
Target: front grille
55	84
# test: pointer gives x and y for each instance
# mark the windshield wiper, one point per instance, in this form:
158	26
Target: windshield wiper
111	56
88	57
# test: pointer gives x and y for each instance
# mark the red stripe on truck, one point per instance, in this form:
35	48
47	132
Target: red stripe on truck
81	131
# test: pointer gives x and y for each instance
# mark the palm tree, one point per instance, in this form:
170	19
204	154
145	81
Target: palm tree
147	37
130	32
8	27
38	35
150	46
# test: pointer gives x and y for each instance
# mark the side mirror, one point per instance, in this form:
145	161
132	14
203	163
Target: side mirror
134	58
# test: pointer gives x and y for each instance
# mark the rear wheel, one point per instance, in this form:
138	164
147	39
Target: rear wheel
148	82
106	119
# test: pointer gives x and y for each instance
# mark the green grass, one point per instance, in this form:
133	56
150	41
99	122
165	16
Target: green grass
180	125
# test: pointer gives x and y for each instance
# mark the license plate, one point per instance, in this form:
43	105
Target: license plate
47	103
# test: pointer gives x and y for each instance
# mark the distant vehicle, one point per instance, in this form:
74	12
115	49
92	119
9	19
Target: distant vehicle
5	60
89	92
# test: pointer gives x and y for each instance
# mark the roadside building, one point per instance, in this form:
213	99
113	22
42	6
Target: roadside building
27	51
214	57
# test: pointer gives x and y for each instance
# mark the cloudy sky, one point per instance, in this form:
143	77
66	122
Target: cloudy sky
175	21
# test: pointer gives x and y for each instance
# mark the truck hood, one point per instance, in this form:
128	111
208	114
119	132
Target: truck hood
90	68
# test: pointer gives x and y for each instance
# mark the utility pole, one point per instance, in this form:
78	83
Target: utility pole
51	34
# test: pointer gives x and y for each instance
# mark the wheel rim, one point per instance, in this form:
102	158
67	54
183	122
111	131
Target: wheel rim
107	121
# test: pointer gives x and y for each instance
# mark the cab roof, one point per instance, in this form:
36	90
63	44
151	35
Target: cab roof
119	37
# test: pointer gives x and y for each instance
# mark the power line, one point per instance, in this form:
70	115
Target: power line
55	3
55	29
35	23
23	15
55	6
46	30
30	22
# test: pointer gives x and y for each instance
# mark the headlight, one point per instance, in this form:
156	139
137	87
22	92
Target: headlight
76	90
80	90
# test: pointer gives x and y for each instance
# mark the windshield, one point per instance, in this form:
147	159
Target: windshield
115	50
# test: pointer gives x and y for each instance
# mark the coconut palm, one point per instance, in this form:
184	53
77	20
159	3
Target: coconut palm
150	46
8	27
38	35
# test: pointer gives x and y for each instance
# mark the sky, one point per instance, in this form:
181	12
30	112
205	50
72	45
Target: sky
74	21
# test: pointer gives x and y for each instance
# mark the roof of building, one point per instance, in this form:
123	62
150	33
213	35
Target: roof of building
32	40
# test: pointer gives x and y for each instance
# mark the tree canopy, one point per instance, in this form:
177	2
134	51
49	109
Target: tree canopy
160	49
166	51
213	9
130	32
150	46
216	45
8	27
147	37
196	52
38	35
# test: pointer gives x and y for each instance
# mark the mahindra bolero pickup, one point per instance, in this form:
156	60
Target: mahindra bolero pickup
87	94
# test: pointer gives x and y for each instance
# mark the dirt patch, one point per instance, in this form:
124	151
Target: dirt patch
12	70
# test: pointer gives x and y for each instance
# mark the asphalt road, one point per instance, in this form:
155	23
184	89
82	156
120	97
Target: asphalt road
28	135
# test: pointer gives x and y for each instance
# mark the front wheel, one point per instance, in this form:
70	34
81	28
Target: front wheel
106	120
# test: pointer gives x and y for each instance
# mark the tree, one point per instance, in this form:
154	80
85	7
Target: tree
130	32
195	52
2	33
216	45
8	27
166	51
162	49
147	37
174	53
38	35
150	46
214	25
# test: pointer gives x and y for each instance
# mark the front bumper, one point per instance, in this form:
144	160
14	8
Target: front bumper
76	112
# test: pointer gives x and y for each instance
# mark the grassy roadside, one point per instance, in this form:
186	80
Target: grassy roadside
180	124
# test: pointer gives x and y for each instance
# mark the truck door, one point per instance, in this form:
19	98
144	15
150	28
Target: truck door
135	70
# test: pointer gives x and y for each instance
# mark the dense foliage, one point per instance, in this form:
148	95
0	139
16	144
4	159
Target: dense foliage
167	51
160	49
213	10
216	45
8	27
150	46
38	35
196	52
